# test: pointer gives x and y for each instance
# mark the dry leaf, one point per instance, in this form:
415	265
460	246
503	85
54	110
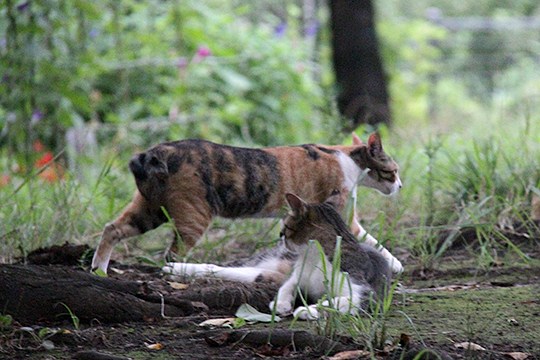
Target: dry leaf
469	346
352	354
518	355
118	271
513	321
178	286
225	322
156	346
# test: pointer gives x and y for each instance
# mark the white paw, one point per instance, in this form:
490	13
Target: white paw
168	269
342	304
281	307
174	269
308	313
396	266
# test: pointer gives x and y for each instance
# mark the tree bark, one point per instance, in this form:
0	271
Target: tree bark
361	81
36	293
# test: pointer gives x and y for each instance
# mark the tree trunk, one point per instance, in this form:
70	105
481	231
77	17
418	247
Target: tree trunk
361	81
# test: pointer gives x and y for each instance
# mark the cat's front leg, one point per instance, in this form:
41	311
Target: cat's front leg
283	303
361	233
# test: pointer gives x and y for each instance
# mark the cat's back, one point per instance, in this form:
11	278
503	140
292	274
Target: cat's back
311	171
365	264
237	181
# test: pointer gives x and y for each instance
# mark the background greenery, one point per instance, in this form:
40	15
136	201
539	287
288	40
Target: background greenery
87	84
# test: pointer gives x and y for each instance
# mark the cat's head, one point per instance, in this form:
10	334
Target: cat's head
382	171
306	221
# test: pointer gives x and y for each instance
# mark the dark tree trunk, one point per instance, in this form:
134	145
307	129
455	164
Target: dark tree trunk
361	81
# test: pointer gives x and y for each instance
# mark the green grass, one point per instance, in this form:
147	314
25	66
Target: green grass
499	316
481	179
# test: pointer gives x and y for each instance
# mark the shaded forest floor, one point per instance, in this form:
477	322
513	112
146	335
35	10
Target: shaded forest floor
495	311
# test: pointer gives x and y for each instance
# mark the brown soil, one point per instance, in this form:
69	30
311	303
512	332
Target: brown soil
178	335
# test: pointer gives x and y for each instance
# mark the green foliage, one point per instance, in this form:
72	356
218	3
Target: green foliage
5	321
411	55
213	73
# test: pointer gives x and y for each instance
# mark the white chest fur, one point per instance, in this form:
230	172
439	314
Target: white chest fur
316	276
351	171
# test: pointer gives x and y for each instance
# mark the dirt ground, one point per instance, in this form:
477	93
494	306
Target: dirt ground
458	311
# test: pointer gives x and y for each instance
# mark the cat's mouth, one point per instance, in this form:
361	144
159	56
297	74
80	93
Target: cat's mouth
385	187
396	185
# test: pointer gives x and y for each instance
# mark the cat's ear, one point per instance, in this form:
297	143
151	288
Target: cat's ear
356	140
297	205
374	144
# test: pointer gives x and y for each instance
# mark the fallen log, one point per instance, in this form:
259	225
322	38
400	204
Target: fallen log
39	293
34	293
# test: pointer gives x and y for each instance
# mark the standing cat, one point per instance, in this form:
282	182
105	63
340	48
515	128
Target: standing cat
195	180
362	271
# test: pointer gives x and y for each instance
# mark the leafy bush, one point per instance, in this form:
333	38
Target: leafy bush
192	64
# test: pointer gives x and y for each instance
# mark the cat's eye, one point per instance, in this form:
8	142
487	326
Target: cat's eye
387	175
286	231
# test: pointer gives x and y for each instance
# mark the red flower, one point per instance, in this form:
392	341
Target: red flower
46	158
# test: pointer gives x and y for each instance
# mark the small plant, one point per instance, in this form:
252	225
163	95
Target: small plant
74	318
5	321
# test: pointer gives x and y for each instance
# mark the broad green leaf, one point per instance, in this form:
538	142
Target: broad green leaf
249	313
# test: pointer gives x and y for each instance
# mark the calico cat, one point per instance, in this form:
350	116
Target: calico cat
297	264
195	180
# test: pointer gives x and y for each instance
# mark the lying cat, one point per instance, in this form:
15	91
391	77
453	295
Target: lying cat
363	272
195	180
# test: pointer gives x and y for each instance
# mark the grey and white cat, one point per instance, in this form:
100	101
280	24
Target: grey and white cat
297	264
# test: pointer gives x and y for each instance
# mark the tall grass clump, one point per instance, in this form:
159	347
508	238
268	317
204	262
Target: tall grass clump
473	184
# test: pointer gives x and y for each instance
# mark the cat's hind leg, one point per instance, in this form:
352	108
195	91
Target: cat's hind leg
308	313
191	219
136	219
345	304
